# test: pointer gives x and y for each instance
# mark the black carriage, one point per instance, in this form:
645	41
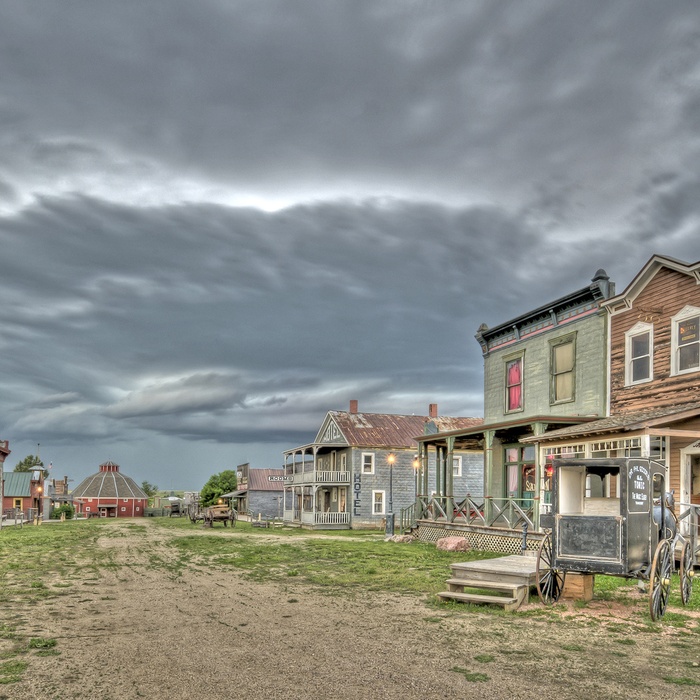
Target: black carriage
615	517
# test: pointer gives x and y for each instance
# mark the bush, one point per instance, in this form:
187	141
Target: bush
66	508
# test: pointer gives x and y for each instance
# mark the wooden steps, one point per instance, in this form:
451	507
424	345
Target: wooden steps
505	581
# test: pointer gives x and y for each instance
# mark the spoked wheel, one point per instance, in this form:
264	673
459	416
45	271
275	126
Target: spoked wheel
687	572
550	581
660	580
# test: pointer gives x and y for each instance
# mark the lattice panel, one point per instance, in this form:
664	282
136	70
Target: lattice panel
506	544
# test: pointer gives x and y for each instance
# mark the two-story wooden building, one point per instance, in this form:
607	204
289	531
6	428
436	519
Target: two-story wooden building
363	466
654	378
543	370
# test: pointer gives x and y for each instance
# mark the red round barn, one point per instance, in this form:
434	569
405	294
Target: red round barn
110	494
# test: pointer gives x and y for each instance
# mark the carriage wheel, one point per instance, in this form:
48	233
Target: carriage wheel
550	581
687	572
660	580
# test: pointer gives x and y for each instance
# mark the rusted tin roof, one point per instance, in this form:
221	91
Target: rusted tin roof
260	480
392	430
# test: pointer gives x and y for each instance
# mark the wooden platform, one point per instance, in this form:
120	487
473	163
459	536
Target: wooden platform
505	581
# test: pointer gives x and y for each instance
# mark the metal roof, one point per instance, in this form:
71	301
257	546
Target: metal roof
391	430
638	420
107	484
17	484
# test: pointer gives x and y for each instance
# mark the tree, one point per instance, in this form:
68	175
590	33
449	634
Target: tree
149	489
218	484
30	463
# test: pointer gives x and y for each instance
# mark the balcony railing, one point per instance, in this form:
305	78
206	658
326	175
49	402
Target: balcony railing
316	518
320	477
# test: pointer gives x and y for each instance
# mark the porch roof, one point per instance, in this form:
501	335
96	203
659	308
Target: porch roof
626	422
503	426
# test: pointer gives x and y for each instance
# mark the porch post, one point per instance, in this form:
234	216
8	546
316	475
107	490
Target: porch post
449	480
537	430
426	476
438	471
488	473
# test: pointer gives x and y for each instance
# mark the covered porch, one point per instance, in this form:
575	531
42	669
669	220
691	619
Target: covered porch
517	486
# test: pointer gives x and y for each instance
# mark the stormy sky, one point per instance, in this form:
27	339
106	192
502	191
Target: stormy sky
221	219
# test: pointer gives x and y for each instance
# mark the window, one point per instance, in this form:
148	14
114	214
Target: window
638	354
368	462
343	462
685	341
562	370
378	502
123	509
520	471
457	465
514	384
18	503
87	509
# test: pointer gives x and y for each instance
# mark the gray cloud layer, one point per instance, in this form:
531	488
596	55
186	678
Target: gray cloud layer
219	220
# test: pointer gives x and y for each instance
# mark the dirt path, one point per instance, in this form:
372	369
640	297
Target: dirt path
139	632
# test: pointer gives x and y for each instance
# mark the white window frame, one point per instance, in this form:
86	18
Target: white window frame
371	463
374	503
123	509
686	312
457	465
343	462
636	330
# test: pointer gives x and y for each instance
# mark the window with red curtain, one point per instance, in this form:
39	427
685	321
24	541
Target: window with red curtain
514	384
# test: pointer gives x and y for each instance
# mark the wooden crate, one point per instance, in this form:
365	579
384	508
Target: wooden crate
578	586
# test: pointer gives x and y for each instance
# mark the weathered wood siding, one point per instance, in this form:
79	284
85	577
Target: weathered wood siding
590	373
662	298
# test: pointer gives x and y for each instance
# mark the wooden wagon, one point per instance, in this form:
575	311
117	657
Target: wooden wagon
219	514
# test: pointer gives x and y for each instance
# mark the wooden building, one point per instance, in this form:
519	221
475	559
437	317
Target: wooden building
543	370
363	467
654	407
110	494
259	492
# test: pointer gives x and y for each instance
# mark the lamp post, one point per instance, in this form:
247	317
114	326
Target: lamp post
390	515
416	471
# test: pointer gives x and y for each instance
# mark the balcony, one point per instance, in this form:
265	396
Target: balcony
319	477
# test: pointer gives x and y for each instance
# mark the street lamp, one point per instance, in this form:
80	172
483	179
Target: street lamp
416	471
391	458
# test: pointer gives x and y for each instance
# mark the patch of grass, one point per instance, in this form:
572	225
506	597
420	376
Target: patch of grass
41	643
625	641
572	647
681	681
484	658
11	671
471	676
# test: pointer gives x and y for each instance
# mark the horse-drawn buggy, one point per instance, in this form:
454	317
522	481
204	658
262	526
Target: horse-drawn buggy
616	517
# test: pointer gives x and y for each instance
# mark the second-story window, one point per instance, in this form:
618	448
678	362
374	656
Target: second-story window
368	462
638	347
514	384
688	351
457	465
562	370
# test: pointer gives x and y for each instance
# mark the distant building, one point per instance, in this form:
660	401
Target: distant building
23	491
4	453
110	494
259	493
364	466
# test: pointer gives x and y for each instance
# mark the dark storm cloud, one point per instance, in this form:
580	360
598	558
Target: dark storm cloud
220	219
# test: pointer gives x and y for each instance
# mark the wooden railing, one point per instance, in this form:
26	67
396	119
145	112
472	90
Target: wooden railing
511	513
322	477
331	518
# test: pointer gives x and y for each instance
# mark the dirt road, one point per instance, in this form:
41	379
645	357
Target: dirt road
138	631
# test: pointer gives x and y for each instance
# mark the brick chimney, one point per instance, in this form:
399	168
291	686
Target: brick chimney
353	405
433	410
